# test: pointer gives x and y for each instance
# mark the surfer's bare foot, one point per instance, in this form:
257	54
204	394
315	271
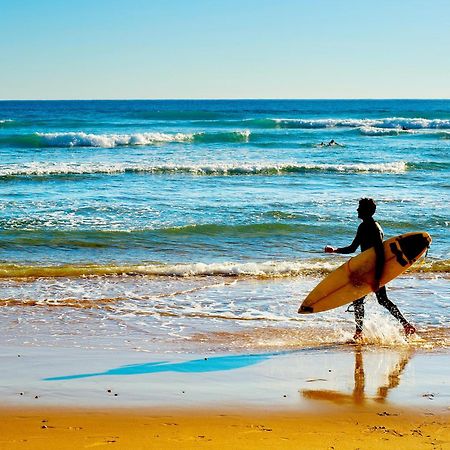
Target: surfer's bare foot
409	329
358	336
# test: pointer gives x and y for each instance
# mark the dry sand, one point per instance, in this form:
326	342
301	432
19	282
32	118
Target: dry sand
359	428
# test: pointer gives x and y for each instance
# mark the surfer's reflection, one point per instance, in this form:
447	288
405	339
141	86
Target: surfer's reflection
359	395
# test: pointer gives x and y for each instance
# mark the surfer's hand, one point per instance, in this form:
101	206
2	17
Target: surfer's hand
329	249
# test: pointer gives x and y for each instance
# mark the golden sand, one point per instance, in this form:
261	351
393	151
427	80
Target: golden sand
123	429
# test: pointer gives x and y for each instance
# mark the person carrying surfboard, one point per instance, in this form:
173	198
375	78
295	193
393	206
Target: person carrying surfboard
370	234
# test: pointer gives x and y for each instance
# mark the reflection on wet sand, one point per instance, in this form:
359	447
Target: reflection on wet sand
359	395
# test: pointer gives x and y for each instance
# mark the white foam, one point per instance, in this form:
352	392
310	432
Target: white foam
81	139
391	167
264	269
389	122
243	135
376	131
218	169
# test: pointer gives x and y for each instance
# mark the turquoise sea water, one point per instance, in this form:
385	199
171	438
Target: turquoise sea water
210	202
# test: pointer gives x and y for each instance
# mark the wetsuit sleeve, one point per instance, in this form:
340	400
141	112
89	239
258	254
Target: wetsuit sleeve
353	246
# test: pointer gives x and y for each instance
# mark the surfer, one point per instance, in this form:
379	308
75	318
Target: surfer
370	234
332	143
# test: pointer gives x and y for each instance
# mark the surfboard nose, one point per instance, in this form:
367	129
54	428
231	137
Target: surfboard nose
413	245
305	309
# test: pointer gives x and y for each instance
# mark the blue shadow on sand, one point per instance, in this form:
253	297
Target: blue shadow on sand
213	364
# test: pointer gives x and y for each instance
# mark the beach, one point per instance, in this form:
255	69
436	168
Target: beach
150	429
334	397
154	255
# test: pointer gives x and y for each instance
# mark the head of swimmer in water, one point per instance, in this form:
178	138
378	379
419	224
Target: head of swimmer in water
366	208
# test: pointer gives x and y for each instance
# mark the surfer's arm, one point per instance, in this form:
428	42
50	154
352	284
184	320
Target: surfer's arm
353	246
345	250
350	248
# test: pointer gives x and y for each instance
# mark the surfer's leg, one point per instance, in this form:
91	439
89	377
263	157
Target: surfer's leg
383	300
358	306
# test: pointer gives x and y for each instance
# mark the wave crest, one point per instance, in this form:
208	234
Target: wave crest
218	169
267	269
81	139
375	131
398	123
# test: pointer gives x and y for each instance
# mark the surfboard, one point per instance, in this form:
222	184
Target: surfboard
354	278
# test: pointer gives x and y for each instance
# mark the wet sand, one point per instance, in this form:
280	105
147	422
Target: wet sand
364	428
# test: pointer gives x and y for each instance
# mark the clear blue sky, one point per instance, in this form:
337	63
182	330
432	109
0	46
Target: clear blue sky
53	49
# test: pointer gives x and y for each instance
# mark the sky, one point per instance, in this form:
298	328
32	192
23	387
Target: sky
166	49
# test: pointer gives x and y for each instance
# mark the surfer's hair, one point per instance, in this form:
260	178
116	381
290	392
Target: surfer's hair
368	205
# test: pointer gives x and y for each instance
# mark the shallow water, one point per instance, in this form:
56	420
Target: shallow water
209	313
200	224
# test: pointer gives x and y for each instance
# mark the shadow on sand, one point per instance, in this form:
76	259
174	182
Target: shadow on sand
213	364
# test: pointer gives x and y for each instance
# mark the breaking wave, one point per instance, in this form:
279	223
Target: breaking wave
268	269
397	123
263	269
377	131
218	169
82	139
4	123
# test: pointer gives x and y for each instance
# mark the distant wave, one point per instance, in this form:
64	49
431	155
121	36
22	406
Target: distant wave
375	131
207	120
399	123
217	169
222	119
232	136
179	115
82	139
36	232
393	123
256	229
268	269
6	123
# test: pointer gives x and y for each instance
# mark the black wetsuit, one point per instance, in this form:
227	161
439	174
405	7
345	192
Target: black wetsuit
370	234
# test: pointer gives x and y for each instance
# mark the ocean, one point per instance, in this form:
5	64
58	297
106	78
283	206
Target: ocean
200	224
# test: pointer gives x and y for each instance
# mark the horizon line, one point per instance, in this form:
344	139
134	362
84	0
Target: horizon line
222	99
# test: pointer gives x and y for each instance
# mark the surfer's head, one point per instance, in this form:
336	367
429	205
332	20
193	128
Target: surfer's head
366	208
